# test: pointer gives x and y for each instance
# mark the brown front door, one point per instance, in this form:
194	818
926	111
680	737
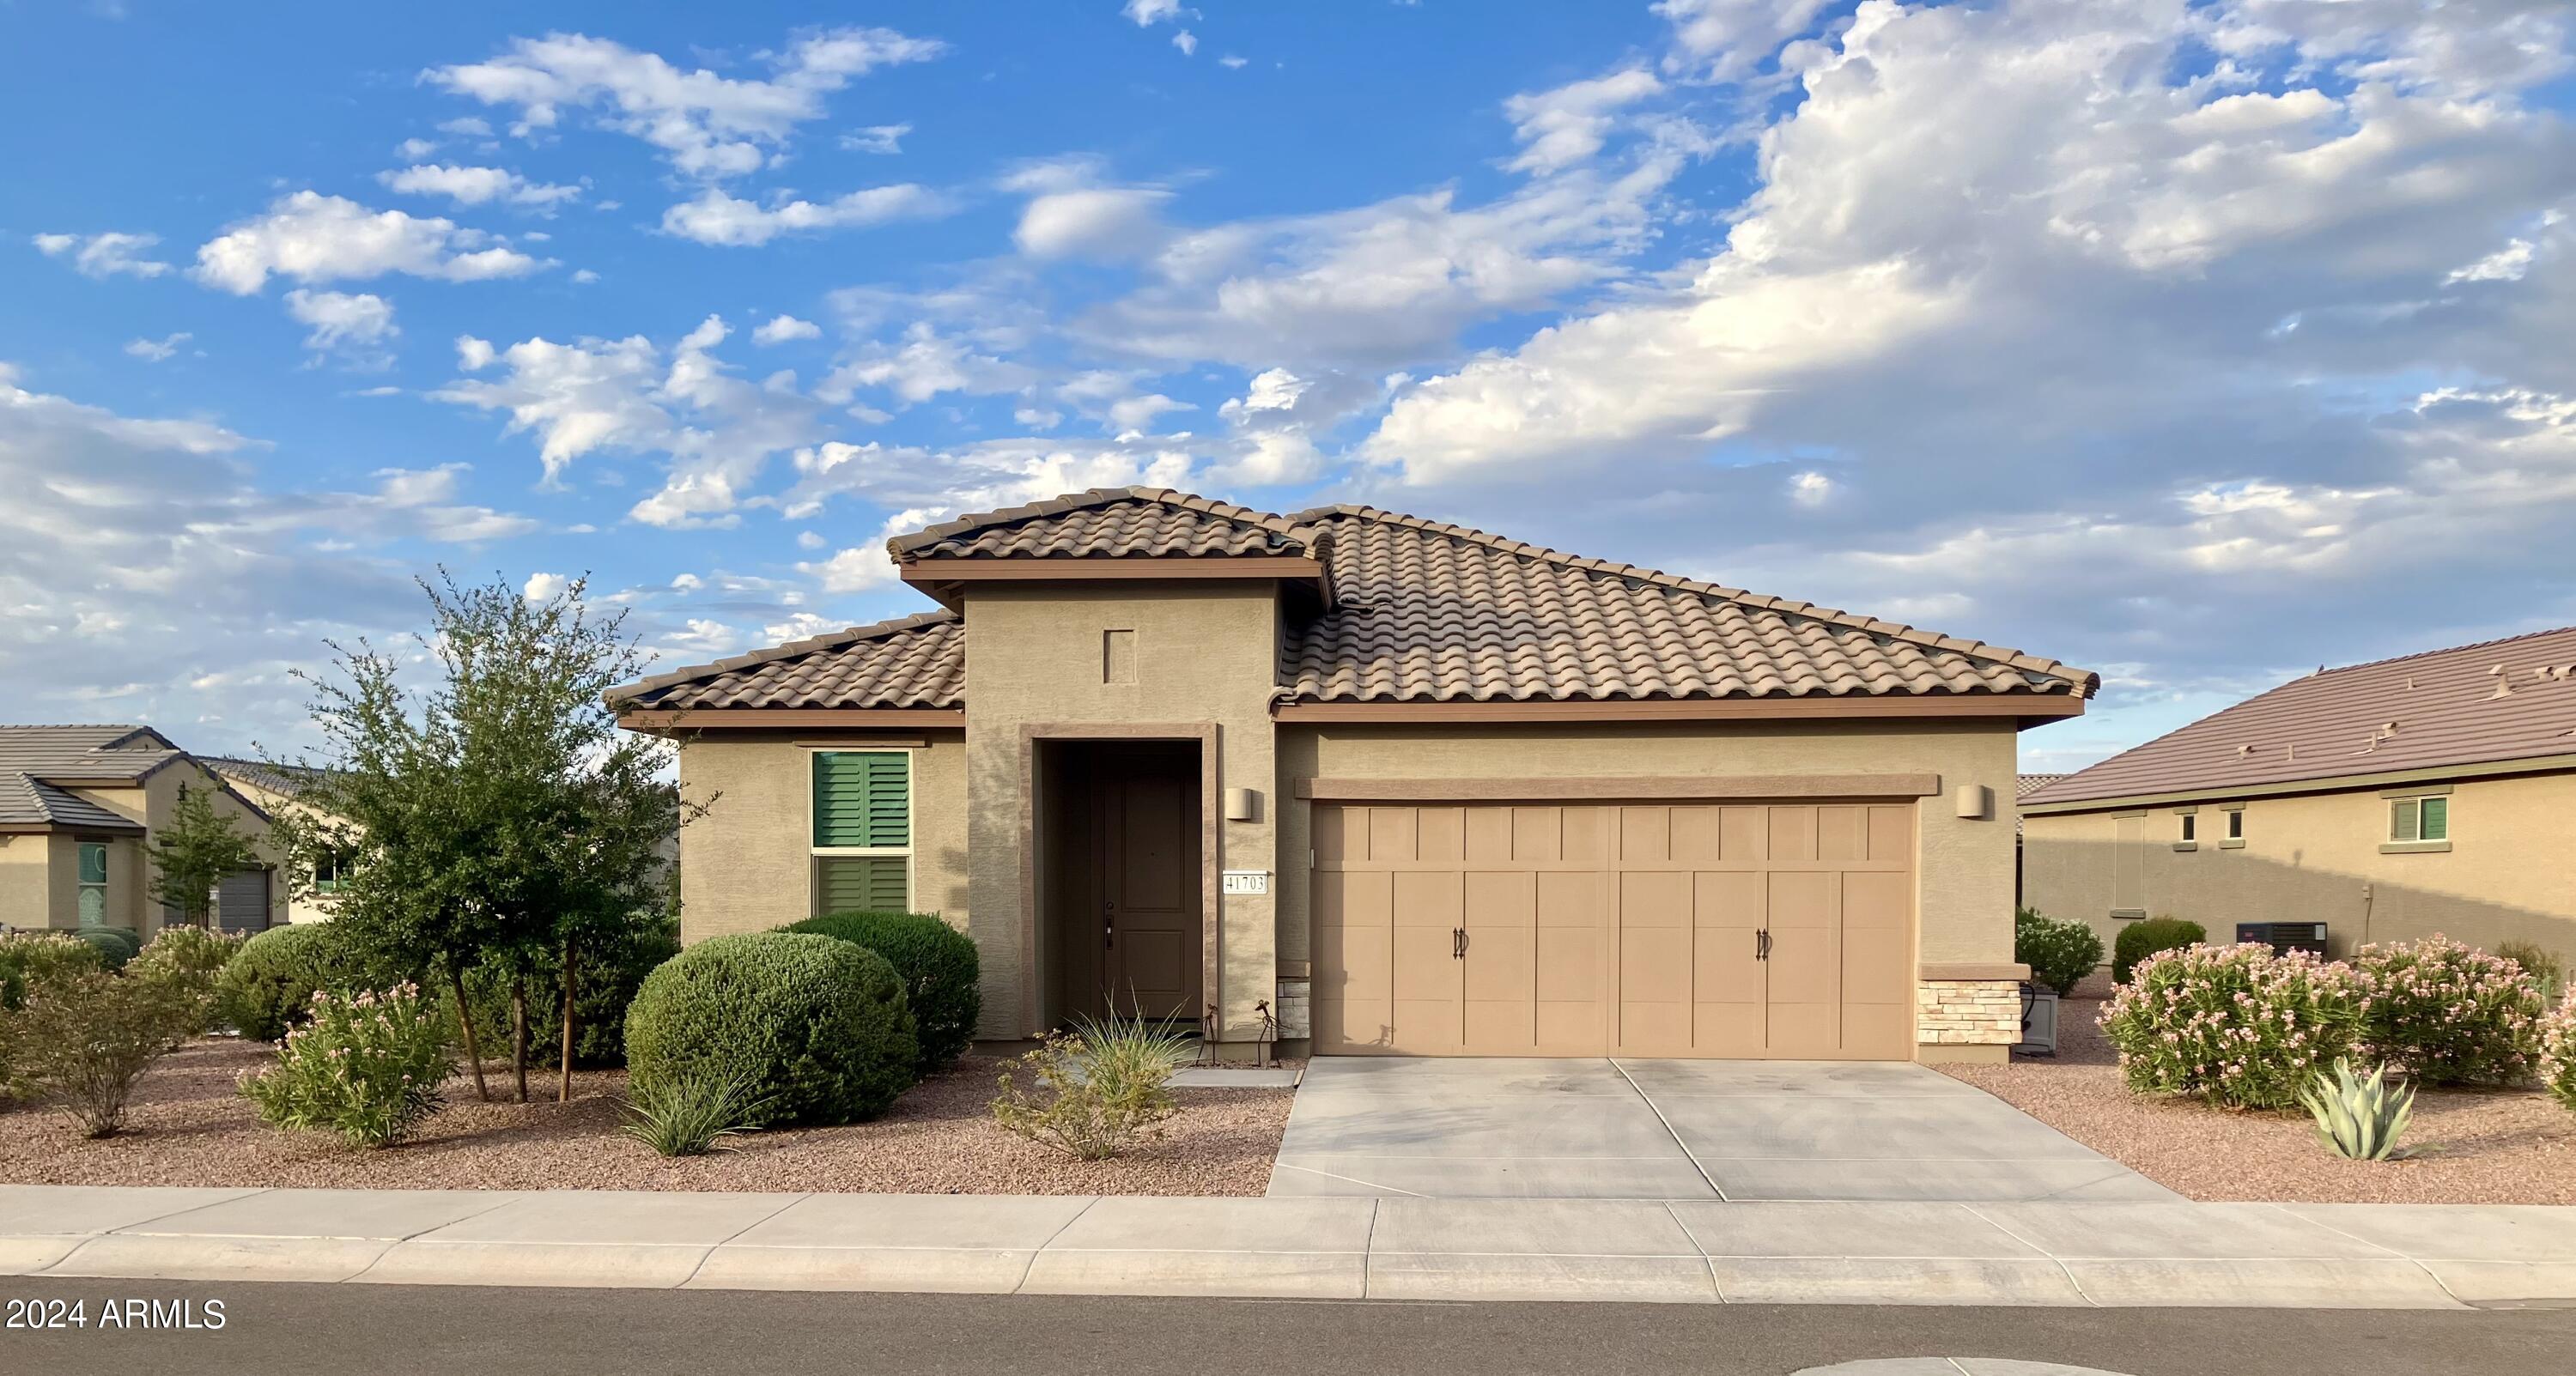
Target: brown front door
1147	825
1756	930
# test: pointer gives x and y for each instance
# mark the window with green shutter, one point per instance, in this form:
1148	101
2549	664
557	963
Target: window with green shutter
862	839
93	883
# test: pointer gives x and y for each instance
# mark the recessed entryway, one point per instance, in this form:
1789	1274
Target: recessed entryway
1595	1128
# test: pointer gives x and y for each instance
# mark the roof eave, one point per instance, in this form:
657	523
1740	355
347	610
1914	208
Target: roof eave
2038	805
2025	710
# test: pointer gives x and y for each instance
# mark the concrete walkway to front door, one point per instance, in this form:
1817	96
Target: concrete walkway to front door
1651	1129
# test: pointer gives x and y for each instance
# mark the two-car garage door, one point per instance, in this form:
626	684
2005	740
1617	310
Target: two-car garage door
1649	929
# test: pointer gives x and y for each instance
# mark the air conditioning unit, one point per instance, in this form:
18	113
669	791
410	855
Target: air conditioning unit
2038	1020
2285	937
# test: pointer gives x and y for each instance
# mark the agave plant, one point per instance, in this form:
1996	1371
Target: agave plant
2359	1119
691	1115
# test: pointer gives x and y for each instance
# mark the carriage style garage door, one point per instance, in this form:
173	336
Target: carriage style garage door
1758	930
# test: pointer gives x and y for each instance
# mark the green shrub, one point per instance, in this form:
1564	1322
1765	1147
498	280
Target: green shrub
29	960
2059	954
2558	1053
81	1042
366	1068
115	945
2243	1026
1098	1089
815	1029
605	980
266	986
689	1115
942	977
2448	1013
2141	939
192	959
2548	974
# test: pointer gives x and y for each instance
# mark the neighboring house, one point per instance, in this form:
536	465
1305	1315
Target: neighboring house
78	806
277	788
2433	793
1408	786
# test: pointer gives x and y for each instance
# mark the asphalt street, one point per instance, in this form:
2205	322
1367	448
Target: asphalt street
339	1330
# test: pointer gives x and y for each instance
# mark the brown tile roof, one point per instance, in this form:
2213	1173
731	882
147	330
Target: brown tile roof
1105	521
2025	785
913	661
2442	709
1422	612
1429	612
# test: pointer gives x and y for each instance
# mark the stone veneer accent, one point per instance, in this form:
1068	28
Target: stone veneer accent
1968	1012
1295	1020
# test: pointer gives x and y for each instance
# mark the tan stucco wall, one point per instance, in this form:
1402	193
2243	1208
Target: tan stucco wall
2510	873
1964	872
25	876
1204	652
746	866
40	874
292	905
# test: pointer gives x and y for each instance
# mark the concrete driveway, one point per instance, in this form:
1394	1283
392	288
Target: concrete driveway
1643	1129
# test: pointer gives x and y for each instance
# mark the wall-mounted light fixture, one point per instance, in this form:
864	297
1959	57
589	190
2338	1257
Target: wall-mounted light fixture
1242	805
1972	801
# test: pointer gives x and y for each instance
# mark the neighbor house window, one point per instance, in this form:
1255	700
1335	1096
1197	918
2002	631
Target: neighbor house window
2419	819
2236	825
93	883
862	831
328	871
2190	827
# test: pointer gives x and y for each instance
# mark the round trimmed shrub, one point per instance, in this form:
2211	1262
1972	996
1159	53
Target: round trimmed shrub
2059	954
814	1029
942	976
605	980
2242	1026
268	985
2144	938
115	945
2450	1014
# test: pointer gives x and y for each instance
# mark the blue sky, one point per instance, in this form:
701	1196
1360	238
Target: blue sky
2197	343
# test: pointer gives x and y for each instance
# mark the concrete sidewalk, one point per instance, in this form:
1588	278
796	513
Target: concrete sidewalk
1686	1251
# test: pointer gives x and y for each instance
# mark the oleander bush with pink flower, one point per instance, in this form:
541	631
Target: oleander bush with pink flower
366	1067
2557	1057
2241	1026
2449	1014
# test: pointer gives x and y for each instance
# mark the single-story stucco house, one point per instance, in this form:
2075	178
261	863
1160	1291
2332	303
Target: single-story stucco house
78	807
2388	801
1381	784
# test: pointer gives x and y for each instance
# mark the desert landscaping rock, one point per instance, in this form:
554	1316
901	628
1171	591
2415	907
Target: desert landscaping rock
2475	1146
190	1126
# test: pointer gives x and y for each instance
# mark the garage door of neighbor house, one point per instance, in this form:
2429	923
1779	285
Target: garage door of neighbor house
241	901
1649	929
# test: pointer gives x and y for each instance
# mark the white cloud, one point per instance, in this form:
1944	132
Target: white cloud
477	186
466	127
351	324
1231	62
1187	42
413	150
783	328
1567	125
707	125
1810	488
316	238
924	364
157	350
1150	12
544	587
876	138
1092	222
2507	264
717	218
584	276
104	255
1725	40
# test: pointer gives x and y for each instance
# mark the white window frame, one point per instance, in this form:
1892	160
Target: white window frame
2419	800
911	825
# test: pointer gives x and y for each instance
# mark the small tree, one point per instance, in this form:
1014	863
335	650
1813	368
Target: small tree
501	814
193	852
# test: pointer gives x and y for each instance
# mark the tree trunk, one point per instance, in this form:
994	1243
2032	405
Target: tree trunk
571	977
519	1032
465	1020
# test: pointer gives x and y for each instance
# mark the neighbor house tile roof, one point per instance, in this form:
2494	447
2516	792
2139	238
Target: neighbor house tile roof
913	661
2488	703
1420	611
2025	785
37	763
282	779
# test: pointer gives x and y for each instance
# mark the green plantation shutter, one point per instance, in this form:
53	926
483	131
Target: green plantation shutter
2434	819
861	884
862	800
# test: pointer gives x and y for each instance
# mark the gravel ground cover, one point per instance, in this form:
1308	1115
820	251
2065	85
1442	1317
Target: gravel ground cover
2478	1146
189	1126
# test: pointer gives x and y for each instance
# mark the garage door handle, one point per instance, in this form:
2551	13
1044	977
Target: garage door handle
1762	945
